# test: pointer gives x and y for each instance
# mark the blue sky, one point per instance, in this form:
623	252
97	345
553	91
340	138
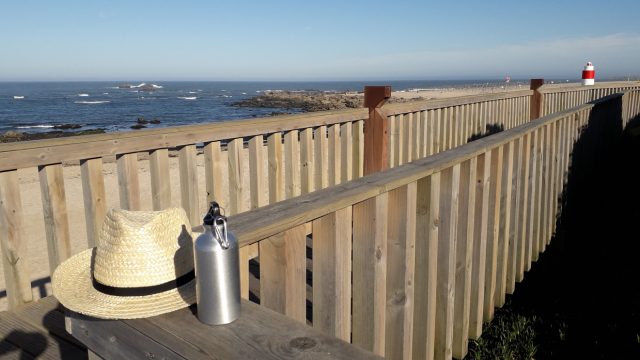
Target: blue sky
316	40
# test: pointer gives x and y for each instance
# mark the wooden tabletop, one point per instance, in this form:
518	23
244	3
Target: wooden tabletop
259	333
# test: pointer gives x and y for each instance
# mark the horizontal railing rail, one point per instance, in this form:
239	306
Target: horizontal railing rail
418	256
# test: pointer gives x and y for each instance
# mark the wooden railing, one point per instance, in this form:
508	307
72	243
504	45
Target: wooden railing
300	163
557	98
409	262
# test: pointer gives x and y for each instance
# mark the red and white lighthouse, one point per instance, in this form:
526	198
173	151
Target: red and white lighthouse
588	75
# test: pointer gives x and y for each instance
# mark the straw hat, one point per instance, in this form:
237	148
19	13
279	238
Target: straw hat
142	267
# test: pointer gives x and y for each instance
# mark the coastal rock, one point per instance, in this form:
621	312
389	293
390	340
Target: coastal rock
138	126
67	126
14	136
11	136
310	101
125	86
142	121
155	121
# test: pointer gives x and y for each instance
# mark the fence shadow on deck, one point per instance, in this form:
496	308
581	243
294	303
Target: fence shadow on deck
583	289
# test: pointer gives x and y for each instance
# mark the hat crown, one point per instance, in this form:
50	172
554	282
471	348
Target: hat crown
143	248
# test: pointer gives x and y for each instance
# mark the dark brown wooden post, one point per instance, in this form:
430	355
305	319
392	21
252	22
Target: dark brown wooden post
536	99
376	128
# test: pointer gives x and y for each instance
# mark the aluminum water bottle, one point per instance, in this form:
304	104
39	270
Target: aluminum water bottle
217	271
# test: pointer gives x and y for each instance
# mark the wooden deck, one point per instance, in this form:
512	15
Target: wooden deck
37	330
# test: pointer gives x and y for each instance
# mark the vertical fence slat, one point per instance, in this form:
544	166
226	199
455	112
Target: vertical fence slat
464	257
306	161
424	131
495	190
258	198
544	202
291	165
358	149
514	214
334	154
415	136
346	152
370	273
407	136
320	148
189	183
553	180
481	214
332	273
160	179
213	171
523	205
54	208
426	261
128	183
505	223
445	293
276	182
535	237
237	205
93	194
392	143
401	236
283	273
13	242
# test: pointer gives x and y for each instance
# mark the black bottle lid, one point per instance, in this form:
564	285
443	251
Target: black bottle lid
214	212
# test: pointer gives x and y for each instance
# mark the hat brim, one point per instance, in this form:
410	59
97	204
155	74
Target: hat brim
72	284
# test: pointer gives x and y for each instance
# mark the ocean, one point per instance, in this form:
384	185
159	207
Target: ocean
38	106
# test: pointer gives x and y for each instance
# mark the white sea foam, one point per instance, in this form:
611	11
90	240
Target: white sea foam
18	97
187	98
143	84
193	92
106	93
35	126
91	102
83	94
244	93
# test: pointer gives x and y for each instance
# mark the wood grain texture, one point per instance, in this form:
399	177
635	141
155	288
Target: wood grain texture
426	263
464	257
93	194
358	149
401	236
524	206
391	143
276	167
505	224
291	165
213	171
282	273
445	292
128	181
495	190
257	195
189	197
13	243
332	273
160	179
306	161
370	273
320	153
480	229
346	152
334	155
514	214
54	208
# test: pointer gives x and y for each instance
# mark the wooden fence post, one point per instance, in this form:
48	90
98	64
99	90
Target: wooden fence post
535	110
375	129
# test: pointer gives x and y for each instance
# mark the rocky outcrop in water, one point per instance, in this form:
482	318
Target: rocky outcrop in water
15	136
67	126
310	101
125	86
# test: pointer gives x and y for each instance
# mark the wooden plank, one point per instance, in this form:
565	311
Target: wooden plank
358	149
392	141
291	165
430	130
13	242
34	340
370	273
54	208
160	179
346	152
480	224
276	166
93	194
426	262
553	165
407	138
282	273
334	155
415	135
401	236
11	352
537	199
235	166
258	197
514	215
320	149
523	206
213	171
544	204
128	183
332	273
399	140
493	224
189	183
445	292
464	257
437	137
505	224
306	161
